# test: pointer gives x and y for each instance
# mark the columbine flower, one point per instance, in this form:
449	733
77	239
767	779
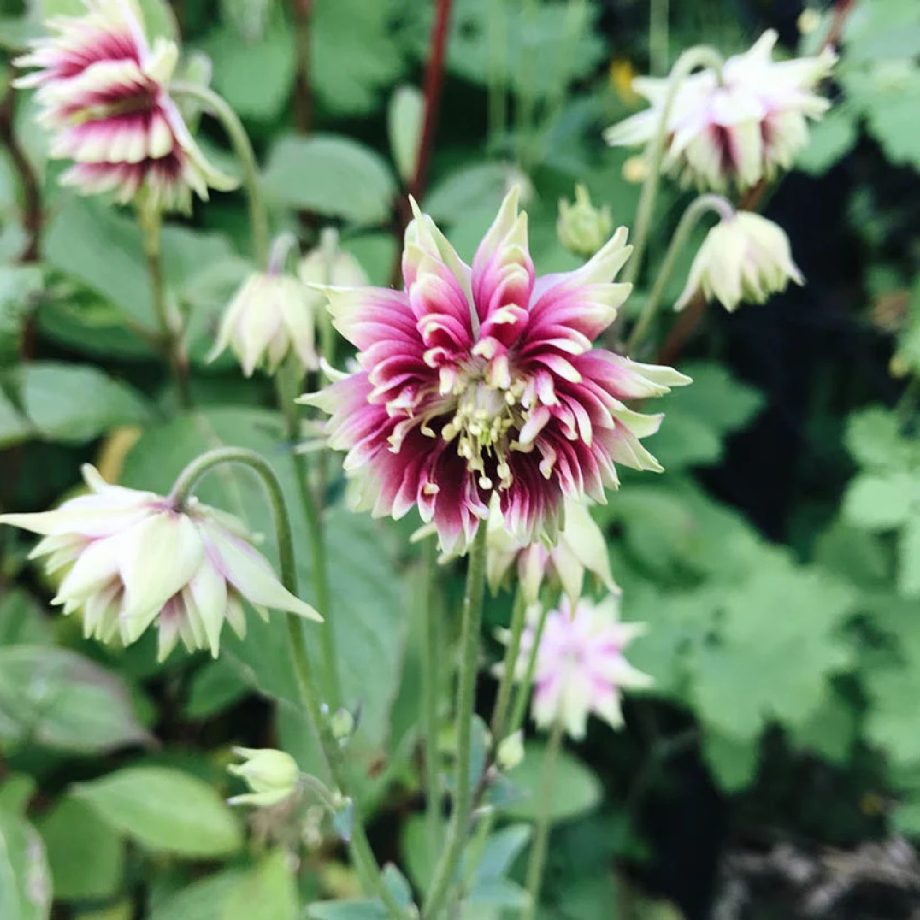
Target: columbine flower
330	265
580	547
581	227
129	558
738	131
271	315
271	775
103	94
580	666
480	381
743	258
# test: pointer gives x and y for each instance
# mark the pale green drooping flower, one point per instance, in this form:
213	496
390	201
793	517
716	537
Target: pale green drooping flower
744	258
271	775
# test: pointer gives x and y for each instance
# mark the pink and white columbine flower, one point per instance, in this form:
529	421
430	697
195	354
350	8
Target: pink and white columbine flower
103	95
483	380
129	558
739	130
580	666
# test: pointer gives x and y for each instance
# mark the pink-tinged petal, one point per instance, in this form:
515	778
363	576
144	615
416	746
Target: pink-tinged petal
366	314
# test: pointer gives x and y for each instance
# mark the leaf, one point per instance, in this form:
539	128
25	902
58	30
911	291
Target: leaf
202	900
164	810
63	700
22	621
74	403
829	141
879	502
366	909
332	175
909	557
14	428
733	762
404	126
25	883
874	439
215	686
265	892
576	789
475	187
85	855
19	287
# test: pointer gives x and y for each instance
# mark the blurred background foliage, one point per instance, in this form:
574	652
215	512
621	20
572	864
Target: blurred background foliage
774	769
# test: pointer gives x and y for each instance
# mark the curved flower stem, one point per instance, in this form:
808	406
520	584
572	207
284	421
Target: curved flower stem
222	111
365	862
466	699
690	60
287	385
520	701
509	667
170	339
537	859
690	218
658	35
430	685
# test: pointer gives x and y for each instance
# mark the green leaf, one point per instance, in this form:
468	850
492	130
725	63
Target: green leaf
85	855
879	502
165	810
733	761
404	126
829	141
475	187
25	883
63	700
202	900
14	427
74	403
909	557
19	287
22	621
874	439
266	892
213	687
332	175
576	789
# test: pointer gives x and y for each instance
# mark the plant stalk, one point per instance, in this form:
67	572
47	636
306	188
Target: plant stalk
466	699
523	694
509	667
430	695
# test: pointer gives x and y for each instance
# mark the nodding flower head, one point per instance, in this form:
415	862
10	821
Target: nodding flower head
103	93
580	667
483	380
737	130
128	559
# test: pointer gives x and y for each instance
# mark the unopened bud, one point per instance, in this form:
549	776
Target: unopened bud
510	751
582	228
271	775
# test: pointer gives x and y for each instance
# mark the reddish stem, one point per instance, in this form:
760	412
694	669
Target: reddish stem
303	95
28	181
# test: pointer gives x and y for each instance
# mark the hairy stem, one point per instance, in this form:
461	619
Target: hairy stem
537	859
365	862
222	111
523	693
170	337
690	218
466	698
509	668
430	695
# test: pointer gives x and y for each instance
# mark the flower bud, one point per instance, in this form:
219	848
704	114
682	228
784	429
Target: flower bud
327	264
510	751
743	258
582	228
271	775
271	315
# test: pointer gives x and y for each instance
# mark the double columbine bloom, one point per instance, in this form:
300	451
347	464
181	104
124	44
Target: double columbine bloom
736	130
103	93
744	257
129	559
580	665
483	381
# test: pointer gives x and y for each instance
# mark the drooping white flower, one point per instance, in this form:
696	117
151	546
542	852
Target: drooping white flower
737	131
744	258
271	775
580	666
130	558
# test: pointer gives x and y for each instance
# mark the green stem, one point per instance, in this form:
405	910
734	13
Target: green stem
509	667
690	218
523	693
329	245
170	337
430	695
690	60
537	859
223	112
287	386
365	862
658	36
466	699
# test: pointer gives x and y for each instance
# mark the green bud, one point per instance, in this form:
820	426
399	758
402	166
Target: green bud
582	228
510	751
271	775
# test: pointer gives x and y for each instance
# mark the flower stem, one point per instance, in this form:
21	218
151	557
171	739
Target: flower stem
509	668
222	111
690	218
658	36
466	699
697	56
523	693
430	695
365	862
287	386
537	859
151	222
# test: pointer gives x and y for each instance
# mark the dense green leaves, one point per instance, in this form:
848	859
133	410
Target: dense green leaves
164	810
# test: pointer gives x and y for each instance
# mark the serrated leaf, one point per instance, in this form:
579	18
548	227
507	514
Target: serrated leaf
165	810
331	175
61	699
